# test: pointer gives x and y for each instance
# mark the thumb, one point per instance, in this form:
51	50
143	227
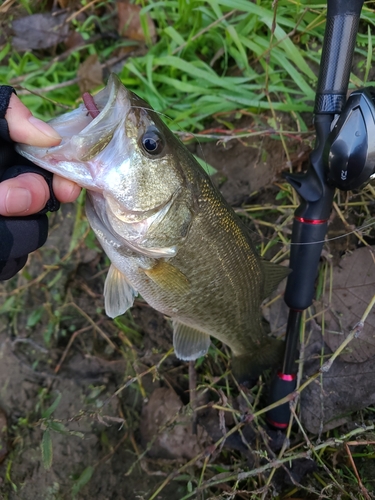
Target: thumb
25	128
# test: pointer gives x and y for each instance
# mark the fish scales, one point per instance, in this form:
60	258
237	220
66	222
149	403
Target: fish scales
167	230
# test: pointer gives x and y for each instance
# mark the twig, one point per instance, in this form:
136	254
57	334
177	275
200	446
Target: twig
78	12
96	327
314	452
360	484
61	85
354	333
340	214
137	377
193	460
193	393
20	340
71	340
112	452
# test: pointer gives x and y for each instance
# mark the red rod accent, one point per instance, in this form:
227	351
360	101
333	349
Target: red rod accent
279	425
310	221
286	376
89	102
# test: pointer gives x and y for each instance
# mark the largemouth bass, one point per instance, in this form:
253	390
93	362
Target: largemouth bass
168	232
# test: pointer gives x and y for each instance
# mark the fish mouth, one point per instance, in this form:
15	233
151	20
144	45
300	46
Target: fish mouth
85	132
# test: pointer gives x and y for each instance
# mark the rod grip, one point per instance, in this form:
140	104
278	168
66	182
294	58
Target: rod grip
282	385
307	244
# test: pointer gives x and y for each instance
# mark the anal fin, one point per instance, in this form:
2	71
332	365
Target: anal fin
189	343
118	293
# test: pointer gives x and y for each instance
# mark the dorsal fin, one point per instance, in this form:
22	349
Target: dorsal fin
118	293
189	343
273	274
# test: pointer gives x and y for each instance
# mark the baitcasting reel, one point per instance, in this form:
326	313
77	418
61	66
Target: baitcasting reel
349	152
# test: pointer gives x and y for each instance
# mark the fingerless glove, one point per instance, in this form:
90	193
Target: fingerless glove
19	235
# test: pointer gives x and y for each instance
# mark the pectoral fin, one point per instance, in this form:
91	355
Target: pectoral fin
118	293
273	274
189	343
169	277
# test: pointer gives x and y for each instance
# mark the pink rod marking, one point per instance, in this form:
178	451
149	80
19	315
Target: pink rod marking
89	102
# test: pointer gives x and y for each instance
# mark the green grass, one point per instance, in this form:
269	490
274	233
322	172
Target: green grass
210	58
212	61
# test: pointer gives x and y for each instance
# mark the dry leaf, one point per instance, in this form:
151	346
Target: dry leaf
353	288
7	5
277	312
168	428
69	4
330	400
349	385
74	40
40	31
90	74
129	23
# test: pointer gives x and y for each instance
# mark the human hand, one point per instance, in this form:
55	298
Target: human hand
28	193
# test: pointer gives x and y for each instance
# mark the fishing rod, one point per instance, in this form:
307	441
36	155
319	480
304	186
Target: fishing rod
343	157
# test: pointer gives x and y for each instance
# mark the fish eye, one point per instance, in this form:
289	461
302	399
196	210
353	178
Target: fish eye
152	142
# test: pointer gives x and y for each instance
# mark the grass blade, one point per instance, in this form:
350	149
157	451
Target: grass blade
47	452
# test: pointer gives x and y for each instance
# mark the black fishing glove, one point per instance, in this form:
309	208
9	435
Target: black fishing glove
19	235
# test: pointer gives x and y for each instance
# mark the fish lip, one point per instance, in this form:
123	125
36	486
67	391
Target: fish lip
113	86
74	158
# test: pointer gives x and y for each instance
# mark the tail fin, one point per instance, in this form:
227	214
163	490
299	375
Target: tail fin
248	367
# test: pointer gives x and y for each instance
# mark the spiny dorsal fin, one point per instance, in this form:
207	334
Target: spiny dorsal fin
168	277
273	274
118	293
189	343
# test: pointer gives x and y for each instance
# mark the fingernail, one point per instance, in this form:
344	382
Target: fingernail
44	127
18	200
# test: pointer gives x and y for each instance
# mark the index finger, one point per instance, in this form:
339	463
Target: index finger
25	128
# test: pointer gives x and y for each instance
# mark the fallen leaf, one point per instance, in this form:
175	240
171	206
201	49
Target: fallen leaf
69	4
40	31
129	22
293	474
349	385
330	400
275	311
90	74
74	40
353	288
168	428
